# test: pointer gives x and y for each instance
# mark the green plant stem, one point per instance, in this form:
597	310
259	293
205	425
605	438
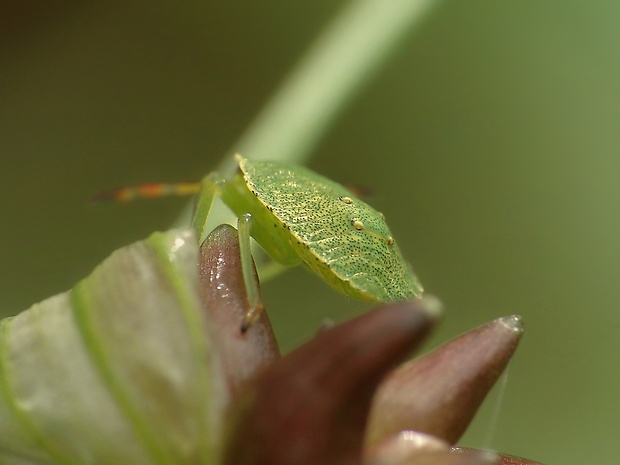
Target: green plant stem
343	58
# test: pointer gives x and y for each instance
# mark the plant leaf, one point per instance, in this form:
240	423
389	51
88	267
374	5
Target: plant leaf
117	370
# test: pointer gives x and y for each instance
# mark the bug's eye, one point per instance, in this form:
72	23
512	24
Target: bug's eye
357	224
347	200
389	240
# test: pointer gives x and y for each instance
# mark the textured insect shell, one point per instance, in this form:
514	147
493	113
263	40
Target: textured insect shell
267	230
318	225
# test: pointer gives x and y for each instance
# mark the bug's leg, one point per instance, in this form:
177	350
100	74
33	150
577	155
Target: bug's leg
210	186
244	225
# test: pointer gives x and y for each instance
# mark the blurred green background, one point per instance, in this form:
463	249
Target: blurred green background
491	138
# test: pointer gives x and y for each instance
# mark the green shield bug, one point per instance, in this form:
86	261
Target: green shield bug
297	215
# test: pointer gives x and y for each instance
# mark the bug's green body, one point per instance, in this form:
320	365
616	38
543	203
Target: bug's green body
298	215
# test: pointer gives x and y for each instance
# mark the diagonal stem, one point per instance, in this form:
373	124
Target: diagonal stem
344	57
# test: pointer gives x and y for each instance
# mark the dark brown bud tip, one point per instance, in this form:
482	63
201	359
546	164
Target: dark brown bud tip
311	406
243	353
440	392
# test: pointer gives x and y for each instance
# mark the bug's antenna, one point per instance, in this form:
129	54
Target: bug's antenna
146	191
